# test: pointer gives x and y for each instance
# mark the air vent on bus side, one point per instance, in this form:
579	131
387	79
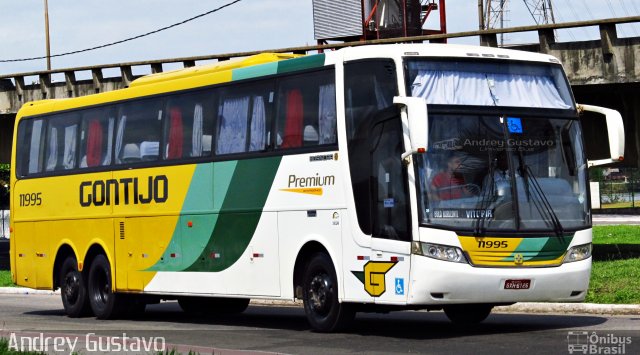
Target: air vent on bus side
121	230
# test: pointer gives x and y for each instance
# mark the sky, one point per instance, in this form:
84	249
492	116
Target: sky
245	26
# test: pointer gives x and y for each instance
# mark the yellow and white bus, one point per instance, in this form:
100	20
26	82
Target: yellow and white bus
370	178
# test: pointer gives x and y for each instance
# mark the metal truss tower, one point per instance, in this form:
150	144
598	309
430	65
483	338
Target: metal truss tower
496	15
541	11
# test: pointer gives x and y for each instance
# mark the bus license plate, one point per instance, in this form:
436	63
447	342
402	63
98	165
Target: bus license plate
517	284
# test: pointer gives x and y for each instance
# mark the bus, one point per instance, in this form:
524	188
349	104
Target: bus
366	179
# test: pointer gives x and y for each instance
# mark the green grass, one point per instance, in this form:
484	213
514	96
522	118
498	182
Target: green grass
616	234
627	204
5	279
616	282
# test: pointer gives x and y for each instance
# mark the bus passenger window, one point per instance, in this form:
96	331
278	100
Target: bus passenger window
244	118
189	120
60	149
30	147
307	110
140	124
96	137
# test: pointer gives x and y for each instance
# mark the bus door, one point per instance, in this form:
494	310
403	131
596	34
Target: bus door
378	177
391	233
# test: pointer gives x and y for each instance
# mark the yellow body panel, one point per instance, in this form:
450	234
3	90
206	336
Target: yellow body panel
133	235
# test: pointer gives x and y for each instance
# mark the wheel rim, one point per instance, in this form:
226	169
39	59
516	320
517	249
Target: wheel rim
321	294
71	287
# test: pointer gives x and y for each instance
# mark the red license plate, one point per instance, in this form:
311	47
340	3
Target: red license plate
517	284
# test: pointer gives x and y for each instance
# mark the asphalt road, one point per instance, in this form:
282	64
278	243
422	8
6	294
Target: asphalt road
280	329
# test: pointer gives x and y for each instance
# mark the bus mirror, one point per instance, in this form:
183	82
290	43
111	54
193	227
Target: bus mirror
615	130
416	114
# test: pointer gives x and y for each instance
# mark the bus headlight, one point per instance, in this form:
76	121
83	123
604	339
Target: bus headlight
577	253
440	252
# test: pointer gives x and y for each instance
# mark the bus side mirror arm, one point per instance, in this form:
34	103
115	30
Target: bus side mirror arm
415	112
615	130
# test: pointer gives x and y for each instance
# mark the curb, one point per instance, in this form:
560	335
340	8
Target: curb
523	307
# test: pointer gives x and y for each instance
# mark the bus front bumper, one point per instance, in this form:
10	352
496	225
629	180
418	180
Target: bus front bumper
442	282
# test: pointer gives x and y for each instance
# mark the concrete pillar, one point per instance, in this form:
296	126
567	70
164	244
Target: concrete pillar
70	82
96	74
45	85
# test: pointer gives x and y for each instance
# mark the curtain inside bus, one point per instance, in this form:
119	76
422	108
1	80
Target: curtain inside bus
94	143
293	121
327	114
489	84
258	125
174	150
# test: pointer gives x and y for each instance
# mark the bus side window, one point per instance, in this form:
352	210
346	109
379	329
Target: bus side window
244	118
189	122
96	137
30	147
61	138
307	110
140	124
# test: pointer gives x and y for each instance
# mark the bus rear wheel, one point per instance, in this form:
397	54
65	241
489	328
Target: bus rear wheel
105	303
467	314
73	289
320	297
213	306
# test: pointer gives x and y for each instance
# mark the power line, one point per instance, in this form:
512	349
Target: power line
578	18
613	11
127	39
626	11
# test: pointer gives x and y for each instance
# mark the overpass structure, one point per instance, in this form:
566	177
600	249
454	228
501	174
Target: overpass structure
604	72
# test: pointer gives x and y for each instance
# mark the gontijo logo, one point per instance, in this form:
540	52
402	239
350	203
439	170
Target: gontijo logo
311	185
126	191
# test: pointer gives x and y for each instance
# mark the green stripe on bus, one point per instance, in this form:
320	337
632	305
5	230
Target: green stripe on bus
540	249
222	179
240	214
256	71
307	62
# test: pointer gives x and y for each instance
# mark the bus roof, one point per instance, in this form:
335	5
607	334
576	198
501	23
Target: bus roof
212	68
265	64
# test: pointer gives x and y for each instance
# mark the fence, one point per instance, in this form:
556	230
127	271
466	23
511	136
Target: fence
5	223
621	191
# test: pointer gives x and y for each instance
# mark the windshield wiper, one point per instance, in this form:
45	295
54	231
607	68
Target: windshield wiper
549	213
487	193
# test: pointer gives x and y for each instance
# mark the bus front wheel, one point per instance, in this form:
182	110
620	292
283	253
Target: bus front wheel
73	289
105	303
467	314
320	296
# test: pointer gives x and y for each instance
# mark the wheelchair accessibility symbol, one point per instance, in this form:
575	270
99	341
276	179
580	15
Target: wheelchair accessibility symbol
514	124
399	286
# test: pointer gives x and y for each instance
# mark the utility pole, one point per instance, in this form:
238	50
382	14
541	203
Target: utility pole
46	29
481	15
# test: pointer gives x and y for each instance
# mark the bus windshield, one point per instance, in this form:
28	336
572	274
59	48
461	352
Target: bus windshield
503	173
499	171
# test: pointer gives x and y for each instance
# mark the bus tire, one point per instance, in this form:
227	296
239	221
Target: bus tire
467	314
105	303
213	306
320	297
73	289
